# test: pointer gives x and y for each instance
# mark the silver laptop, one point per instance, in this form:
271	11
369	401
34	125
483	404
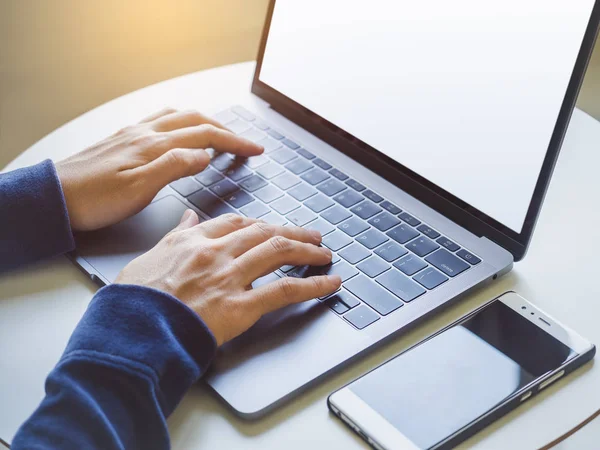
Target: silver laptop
425	135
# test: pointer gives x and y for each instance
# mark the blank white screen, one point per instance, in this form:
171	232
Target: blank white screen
466	93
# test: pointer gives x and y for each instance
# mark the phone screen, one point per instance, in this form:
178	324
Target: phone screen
435	389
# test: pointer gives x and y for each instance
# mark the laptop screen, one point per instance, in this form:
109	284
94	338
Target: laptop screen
464	93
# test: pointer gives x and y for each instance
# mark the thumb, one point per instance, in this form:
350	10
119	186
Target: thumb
188	220
175	164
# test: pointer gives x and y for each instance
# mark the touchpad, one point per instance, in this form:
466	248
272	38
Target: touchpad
110	249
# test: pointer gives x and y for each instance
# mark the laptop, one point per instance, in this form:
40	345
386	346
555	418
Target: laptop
424	137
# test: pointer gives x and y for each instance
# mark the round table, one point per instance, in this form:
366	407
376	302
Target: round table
40	305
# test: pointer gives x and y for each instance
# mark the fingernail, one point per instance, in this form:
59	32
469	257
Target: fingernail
315	234
335	280
187	214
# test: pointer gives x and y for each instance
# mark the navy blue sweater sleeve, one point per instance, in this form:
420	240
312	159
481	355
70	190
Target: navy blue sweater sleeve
34	223
127	365
131	358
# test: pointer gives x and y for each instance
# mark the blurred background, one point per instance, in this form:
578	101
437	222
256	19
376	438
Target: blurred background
60	58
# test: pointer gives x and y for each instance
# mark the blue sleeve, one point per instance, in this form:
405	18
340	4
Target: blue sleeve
34	222
127	365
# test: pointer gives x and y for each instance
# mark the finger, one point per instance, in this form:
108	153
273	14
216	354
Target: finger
239	242
189	219
184	119
223	225
163	112
173	165
279	251
209	136
289	290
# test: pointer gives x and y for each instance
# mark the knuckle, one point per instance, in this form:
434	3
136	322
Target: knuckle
176	157
280	244
145	140
234	219
317	283
169	110
288	287
208	129
263	229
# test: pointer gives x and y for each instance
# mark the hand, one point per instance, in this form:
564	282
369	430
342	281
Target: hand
210	267
119	176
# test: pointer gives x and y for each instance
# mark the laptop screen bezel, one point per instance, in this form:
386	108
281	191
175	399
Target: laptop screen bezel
419	187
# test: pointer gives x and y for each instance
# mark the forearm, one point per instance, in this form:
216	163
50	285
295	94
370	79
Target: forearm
34	222
127	365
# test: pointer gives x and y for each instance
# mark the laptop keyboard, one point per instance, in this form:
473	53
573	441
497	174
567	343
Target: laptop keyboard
385	256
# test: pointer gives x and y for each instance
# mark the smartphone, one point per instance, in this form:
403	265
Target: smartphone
454	383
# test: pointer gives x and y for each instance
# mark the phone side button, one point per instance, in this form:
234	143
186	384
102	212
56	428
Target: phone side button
525	396
551	380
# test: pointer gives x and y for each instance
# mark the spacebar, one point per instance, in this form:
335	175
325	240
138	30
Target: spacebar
373	295
209	204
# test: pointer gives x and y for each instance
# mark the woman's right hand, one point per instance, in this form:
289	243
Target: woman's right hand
210	267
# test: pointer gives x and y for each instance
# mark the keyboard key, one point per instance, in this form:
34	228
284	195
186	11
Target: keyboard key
269	144
428	231
336	304
239	198
275	134
225	117
222	161
260	125
321	226
238	126
338	174
253	183
302	191
391	208
224	188
285	181
354	253
283	155
410	265
373	266
348	198
270	170
291	144
347	298
256	161
314	176
373	295
269	193
305	153
209	204
448	244
402	233
253	135
299	166
336	214
422	246
447	262
274	219
238	172
285	205
384	221
372	196
322	164
372	238
355	185
318	203
353	226
410	219
430	278
301	216
366	209
208	176
331	187
336	241
255	210
286	269
361	317
244	113
391	251
185	186
343	269
469	257
400	285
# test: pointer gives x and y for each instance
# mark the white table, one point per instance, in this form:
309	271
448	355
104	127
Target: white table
40	306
